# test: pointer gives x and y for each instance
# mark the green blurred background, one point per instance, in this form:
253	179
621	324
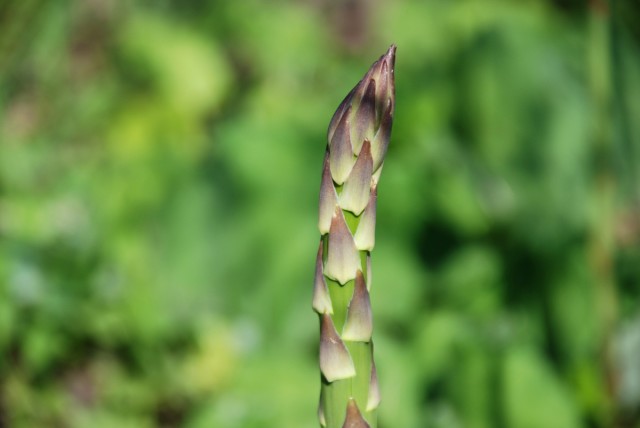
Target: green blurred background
159	171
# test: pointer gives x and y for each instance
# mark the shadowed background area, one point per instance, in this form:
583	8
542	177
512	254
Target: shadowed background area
159	173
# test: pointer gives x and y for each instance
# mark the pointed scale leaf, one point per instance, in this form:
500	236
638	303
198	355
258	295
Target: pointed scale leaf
375	178
343	260
361	88
382	93
388	90
358	326
384	77
321	298
355	194
373	401
365	236
364	122
337	116
321	417
335	360
340	152
369	272
380	142
328	198
354	418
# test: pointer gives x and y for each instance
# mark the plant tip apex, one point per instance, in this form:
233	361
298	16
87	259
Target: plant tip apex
391	55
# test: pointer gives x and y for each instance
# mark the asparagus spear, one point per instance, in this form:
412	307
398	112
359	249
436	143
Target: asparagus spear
358	138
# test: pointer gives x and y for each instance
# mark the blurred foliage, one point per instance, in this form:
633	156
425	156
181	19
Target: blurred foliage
159	171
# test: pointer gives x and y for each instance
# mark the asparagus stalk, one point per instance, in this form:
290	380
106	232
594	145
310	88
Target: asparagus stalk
358	139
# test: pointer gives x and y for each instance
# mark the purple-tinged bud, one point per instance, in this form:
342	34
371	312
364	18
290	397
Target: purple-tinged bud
365	114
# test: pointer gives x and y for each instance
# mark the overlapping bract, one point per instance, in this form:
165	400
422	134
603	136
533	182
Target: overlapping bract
358	137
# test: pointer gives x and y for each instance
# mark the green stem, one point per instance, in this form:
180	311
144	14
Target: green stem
338	393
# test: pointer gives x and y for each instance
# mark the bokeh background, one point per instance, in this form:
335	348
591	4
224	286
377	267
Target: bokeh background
159	172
